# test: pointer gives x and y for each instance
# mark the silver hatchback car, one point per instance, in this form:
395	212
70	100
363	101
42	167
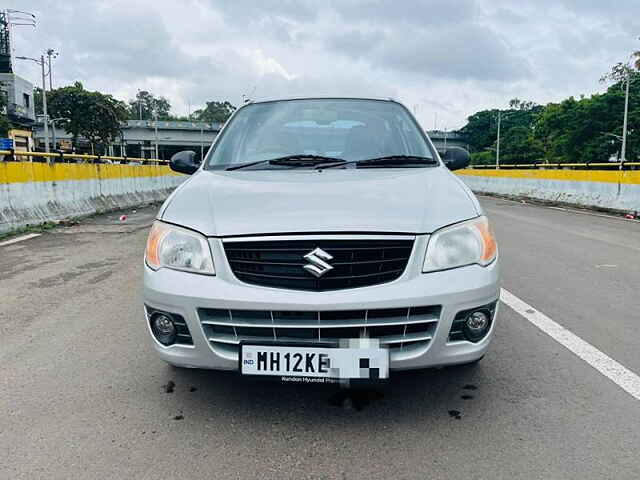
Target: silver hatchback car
321	239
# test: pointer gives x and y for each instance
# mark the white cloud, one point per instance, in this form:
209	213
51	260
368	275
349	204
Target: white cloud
446	58
269	65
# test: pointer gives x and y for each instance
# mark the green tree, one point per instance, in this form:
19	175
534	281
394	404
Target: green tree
549	130
103	117
92	115
583	130
146	104
586	130
215	112
483	158
517	144
481	130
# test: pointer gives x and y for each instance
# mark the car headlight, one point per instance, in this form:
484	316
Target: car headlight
467	243
177	248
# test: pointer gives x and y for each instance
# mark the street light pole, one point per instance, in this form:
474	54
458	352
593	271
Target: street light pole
201	141
53	131
623	153
44	99
44	108
51	53
155	123
123	145
498	141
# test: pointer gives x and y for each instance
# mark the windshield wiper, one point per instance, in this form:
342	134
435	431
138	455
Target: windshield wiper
397	161
412	161
319	161
298	160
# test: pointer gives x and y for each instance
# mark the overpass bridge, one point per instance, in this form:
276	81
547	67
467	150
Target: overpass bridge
441	139
139	138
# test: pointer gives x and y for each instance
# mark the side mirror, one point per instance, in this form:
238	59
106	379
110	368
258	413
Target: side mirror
456	158
184	162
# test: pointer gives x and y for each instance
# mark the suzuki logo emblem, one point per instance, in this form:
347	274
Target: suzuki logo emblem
317	265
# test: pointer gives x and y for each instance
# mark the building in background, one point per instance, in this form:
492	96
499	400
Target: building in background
19	95
22	139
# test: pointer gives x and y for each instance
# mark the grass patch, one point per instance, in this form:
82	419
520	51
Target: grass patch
39	228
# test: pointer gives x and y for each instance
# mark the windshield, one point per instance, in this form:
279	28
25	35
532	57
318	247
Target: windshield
346	129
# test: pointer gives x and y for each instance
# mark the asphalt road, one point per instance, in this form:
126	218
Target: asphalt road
82	394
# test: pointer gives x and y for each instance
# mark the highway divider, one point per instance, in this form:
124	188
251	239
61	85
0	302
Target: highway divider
617	190
33	193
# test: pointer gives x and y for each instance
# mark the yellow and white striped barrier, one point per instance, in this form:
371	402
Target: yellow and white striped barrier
33	193
609	189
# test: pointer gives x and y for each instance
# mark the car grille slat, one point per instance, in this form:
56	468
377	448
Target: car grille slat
299	263
301	324
292	277
394	327
356	263
386	340
235	248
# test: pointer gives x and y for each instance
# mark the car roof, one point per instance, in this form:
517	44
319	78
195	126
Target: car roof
285	99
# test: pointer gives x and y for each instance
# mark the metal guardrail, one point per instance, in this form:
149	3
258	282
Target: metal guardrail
54	157
556	166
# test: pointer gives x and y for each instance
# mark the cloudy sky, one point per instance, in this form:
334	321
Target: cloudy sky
443	59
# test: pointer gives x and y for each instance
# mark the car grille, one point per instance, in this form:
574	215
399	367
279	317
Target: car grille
397	328
356	263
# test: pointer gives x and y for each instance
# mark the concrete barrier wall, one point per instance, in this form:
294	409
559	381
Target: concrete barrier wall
615	190
34	193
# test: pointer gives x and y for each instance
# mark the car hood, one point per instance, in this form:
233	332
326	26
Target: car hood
220	203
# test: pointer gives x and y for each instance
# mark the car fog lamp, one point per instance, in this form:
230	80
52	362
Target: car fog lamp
163	328
477	324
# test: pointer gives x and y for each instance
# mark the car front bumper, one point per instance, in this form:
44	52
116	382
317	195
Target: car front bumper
455	290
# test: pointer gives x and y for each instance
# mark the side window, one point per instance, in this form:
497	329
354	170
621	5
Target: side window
26	100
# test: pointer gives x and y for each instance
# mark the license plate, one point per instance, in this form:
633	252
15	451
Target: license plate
350	362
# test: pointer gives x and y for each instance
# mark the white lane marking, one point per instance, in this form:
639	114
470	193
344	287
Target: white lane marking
19	239
619	374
